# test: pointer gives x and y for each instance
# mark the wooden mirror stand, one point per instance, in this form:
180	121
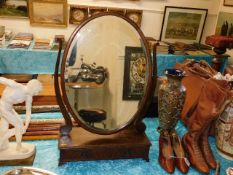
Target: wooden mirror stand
76	143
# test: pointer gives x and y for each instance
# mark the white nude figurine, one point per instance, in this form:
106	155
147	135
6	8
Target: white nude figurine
15	93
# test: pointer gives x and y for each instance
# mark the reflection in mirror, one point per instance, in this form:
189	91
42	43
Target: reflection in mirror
94	72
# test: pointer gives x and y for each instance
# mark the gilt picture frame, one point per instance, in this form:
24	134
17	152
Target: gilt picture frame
134	73
52	13
228	3
183	24
14	9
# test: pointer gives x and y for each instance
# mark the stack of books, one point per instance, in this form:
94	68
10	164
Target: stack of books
43	44
21	40
2	36
196	52
24	36
19	44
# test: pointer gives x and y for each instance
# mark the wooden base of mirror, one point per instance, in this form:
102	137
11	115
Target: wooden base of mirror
83	145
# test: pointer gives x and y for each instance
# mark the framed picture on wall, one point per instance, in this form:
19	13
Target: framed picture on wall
78	14
96	10
117	10
224	25
48	13
134	73
228	3
134	15
15	9
183	24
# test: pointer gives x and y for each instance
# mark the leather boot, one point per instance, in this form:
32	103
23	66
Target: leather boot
195	156
165	152
206	150
178	150
212	101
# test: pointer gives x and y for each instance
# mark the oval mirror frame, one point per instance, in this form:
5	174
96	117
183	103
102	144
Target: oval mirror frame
148	89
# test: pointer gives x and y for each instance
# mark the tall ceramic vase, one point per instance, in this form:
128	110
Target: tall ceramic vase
171	96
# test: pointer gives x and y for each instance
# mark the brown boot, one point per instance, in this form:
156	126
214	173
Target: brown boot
212	101
206	150
165	152
178	150
195	156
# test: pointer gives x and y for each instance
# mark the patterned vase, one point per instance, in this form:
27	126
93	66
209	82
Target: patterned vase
224	133
171	96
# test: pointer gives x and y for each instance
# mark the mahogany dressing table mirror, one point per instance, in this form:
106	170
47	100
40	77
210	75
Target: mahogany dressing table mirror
99	122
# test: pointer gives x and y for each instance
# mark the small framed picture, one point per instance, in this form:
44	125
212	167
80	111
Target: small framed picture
224	25
96	10
134	15
228	3
78	14
14	9
134	73
183	24
117	10
48	13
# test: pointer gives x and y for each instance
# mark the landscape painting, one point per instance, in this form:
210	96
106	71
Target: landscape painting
48	12
183	24
224	25
13	8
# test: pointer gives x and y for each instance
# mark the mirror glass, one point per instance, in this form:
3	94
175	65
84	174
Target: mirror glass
105	73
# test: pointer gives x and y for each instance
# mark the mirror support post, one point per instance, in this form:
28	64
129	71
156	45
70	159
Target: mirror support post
64	130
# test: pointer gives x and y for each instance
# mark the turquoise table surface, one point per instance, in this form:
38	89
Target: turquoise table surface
48	154
30	61
23	61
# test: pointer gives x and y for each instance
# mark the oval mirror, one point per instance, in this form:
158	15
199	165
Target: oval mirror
105	71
